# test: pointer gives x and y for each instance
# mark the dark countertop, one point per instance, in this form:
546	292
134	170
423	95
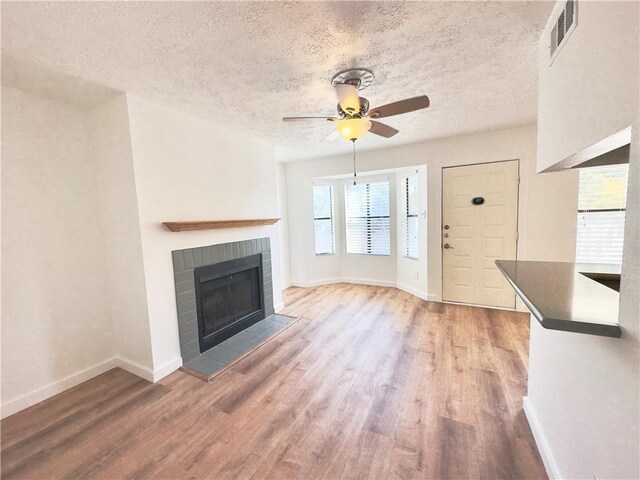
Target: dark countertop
561	298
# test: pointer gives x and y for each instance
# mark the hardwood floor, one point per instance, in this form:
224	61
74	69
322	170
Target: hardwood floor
371	383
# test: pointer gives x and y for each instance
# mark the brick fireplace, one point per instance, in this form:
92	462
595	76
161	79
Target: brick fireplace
220	290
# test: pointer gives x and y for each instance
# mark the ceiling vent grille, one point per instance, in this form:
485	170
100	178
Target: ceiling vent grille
564	25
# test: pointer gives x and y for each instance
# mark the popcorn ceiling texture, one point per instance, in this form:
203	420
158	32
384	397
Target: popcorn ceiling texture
248	64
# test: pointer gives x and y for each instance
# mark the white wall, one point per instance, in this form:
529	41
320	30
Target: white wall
111	147
87	277
190	169
410	273
282	232
547	203
56	328
583	399
591	90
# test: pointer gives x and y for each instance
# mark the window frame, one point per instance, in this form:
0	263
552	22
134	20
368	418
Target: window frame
368	182
332	218
407	215
586	211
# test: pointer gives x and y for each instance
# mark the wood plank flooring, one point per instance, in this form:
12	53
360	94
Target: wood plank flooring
371	383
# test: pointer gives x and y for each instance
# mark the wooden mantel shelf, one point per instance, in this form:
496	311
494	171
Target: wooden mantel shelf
209	224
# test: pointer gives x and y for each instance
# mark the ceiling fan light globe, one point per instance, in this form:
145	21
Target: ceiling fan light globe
353	128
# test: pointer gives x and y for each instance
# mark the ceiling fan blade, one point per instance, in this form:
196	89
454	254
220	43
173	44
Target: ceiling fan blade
403	106
332	137
348	98
301	119
381	129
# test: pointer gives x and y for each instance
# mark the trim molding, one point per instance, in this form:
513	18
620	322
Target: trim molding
48	391
375	283
416	293
357	281
362	281
150	375
543	447
37	396
492	307
166	369
135	368
317	283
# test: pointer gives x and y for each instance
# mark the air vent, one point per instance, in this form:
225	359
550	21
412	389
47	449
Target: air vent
562	28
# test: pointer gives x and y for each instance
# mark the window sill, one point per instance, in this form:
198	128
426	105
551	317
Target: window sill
410	258
325	254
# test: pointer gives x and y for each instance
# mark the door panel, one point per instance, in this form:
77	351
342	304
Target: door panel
478	235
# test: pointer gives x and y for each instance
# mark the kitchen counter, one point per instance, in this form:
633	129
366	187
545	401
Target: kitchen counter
560	297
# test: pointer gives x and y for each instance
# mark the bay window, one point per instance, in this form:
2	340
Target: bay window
368	224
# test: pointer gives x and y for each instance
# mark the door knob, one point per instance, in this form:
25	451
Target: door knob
446	227
446	235
447	246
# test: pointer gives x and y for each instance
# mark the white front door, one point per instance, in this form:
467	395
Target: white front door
479	226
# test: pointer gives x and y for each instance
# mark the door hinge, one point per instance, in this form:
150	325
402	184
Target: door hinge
518	179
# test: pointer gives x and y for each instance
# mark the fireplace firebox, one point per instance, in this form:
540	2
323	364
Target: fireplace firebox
229	298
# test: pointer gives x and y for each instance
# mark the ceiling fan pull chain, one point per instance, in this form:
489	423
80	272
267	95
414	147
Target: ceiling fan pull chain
354	161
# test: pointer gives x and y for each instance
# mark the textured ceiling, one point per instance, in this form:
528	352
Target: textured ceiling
248	64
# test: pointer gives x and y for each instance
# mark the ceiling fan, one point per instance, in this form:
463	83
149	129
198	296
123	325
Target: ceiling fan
355	118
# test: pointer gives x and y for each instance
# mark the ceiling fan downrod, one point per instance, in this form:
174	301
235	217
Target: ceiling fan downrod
353	140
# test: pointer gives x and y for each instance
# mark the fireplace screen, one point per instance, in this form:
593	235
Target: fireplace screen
229	298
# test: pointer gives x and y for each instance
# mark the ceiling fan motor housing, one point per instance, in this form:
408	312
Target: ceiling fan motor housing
364	108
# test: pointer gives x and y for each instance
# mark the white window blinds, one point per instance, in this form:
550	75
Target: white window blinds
601	211
367	218
323	219
411	213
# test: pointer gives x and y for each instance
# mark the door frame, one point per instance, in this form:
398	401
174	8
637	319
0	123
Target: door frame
517	160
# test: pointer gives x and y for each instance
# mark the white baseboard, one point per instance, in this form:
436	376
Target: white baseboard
166	369
543	447
135	368
357	281
145	372
375	283
317	283
416	293
492	307
25	401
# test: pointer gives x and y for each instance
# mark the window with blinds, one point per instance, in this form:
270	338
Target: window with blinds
411	216
601	210
323	219
367	218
